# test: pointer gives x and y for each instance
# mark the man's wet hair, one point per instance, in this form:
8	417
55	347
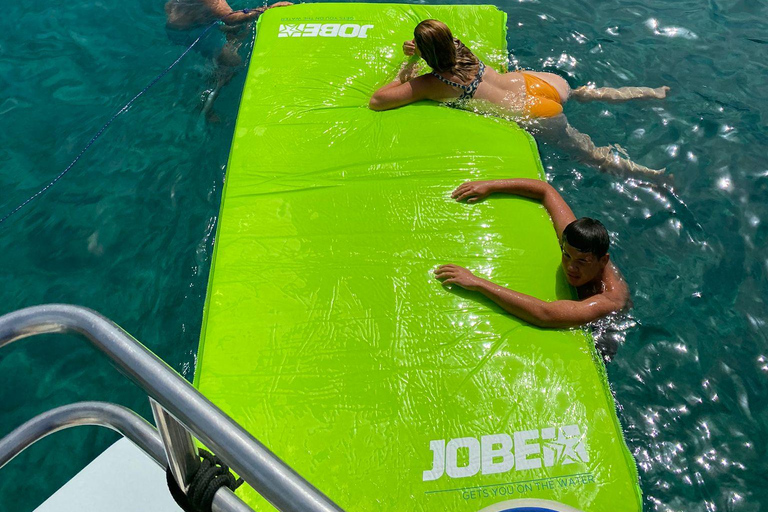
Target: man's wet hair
587	235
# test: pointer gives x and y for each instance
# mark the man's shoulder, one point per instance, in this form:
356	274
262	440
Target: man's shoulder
616	292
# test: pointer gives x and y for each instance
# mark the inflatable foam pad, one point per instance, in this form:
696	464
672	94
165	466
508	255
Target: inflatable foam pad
325	333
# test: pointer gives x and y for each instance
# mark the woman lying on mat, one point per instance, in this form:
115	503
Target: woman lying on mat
535	99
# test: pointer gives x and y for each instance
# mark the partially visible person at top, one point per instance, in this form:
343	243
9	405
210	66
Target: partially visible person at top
535	99
186	20
585	262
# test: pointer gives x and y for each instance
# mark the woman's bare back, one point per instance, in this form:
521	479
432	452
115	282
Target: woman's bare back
505	93
505	90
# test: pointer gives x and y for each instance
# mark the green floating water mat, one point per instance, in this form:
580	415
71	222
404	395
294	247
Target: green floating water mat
325	333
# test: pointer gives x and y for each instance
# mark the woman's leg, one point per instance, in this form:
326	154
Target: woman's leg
558	131
610	95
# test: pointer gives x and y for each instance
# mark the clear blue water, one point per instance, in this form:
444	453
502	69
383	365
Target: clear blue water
129	231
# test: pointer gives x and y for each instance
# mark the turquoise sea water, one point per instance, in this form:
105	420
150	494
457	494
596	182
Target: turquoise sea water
129	231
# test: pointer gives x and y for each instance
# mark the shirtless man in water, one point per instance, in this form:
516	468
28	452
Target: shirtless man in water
585	262
186	20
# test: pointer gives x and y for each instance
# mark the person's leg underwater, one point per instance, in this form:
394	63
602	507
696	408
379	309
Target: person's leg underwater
589	93
556	130
226	65
228	60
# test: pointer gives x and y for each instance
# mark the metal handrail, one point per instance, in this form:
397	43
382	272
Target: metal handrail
280	485
102	414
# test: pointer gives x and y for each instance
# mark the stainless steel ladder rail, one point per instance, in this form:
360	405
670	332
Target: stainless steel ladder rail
285	489
118	418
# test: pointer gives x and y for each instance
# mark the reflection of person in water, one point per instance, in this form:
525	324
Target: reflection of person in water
610	333
188	19
532	98
585	262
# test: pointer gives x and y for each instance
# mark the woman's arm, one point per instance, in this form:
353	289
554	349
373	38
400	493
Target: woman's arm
408	88
402	91
558	209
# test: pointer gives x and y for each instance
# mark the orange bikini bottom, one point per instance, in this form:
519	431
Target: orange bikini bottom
542	100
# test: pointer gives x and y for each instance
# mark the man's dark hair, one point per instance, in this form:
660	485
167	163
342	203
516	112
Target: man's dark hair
587	235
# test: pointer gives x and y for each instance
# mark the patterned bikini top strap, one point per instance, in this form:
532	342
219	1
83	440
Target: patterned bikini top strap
448	82
469	90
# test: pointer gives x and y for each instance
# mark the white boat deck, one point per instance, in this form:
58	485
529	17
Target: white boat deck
122	479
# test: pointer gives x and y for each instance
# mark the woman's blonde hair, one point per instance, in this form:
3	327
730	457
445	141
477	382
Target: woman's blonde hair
442	52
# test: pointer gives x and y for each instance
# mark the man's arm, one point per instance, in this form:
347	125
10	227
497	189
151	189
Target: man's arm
221	9
558	209
560	314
